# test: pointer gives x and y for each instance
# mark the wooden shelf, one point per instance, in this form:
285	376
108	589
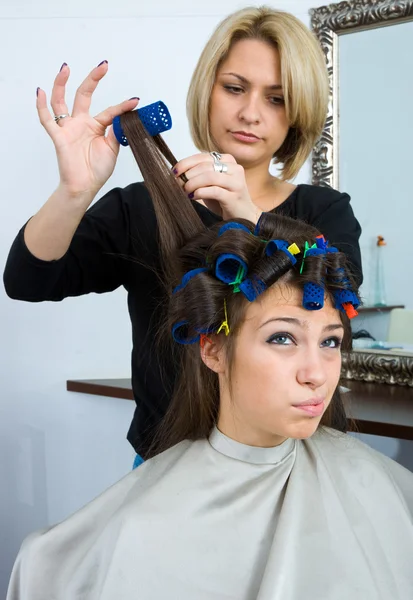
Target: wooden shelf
378	409
378	309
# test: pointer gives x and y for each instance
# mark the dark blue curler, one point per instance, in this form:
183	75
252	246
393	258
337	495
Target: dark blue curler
252	288
258	225
313	296
187	277
345	296
155	118
282	245
180	331
227	267
232	225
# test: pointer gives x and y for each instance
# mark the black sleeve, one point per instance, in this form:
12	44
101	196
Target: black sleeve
115	230
340	227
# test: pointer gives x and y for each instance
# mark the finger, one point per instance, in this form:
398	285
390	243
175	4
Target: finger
57	100
190	162
84	93
45	116
228	158
106	117
112	142
212	193
208	179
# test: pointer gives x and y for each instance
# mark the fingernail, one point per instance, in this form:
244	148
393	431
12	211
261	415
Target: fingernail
175	171
191	196
63	65
103	61
37	92
134	98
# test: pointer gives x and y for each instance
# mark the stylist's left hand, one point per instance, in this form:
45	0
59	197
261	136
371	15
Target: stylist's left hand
225	194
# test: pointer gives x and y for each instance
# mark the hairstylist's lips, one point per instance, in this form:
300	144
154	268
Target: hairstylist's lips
244	136
313	407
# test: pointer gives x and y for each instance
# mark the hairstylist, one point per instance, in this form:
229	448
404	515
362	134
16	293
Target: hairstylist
259	92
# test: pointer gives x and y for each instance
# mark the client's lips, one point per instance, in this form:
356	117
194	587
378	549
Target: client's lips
314	407
311	402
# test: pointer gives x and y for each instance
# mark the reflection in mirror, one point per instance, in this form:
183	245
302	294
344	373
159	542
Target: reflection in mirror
375	132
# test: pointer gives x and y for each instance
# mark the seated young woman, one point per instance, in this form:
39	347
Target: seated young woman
253	489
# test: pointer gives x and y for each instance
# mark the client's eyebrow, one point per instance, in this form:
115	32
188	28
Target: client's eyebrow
302	324
276	86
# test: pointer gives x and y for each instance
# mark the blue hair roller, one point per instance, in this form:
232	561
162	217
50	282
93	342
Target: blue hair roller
155	118
258	225
344	296
313	296
282	245
252	288
187	277
179	336
227	267
232	225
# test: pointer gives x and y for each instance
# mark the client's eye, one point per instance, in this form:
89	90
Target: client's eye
281	339
333	342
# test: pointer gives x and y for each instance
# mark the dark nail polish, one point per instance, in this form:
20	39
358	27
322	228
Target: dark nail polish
103	61
175	171
63	65
37	92
191	196
134	98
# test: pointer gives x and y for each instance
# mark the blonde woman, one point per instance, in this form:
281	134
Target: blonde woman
259	94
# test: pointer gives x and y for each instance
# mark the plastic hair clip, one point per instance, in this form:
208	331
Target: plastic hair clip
155	118
350	310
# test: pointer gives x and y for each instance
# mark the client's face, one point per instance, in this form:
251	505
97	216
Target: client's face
286	367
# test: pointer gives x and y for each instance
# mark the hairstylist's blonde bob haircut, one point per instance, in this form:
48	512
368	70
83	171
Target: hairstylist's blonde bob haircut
303	73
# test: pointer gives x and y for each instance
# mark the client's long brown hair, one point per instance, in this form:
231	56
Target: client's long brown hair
176	216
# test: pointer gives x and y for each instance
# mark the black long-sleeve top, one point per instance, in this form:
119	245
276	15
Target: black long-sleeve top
115	245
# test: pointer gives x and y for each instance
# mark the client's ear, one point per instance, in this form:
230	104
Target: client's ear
212	351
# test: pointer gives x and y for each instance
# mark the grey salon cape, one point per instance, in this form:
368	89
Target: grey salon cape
326	518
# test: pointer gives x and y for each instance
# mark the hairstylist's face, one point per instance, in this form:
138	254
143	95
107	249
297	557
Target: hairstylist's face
284	356
247	113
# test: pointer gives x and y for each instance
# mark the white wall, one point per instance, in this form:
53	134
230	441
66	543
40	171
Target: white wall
57	449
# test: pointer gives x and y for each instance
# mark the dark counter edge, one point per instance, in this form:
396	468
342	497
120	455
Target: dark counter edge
121	388
113	388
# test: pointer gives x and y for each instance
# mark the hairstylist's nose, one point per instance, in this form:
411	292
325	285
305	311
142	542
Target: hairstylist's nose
313	370
250	111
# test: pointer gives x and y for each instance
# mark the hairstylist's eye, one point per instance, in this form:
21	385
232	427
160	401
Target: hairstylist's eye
333	342
233	89
277	100
281	339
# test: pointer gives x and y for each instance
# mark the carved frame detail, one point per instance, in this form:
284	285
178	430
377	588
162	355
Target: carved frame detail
394	369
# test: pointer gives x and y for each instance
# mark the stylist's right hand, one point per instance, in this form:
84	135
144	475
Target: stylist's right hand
85	155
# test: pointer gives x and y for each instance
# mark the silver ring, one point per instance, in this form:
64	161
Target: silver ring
58	117
216	156
220	167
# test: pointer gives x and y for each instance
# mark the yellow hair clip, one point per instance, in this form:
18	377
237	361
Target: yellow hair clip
224	324
294	249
